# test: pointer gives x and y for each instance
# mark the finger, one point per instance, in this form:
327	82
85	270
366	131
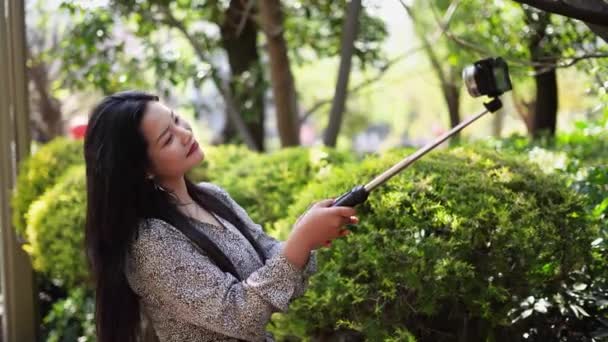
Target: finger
345	232
354	219
335	223
338	222
298	220
343	211
346	220
324	203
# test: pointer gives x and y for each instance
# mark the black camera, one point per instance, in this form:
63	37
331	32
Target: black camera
488	76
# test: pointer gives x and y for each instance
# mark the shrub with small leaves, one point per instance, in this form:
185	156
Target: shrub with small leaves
581	157
55	230
266	184
39	172
71	319
444	250
219	159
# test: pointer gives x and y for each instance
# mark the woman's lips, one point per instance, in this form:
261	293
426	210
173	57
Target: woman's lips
193	148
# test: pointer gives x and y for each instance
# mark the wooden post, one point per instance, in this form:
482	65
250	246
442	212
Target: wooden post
17	279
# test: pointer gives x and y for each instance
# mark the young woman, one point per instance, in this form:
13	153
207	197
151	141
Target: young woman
185	255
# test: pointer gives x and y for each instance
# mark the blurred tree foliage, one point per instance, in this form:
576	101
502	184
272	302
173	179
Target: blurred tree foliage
535	44
172	45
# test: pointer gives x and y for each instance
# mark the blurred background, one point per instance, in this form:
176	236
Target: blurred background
400	81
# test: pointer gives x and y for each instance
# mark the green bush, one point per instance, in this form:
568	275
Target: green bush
580	156
55	230
39	172
219	159
71	319
587	143
266	184
450	245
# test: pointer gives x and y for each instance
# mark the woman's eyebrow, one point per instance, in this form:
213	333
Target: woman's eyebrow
166	129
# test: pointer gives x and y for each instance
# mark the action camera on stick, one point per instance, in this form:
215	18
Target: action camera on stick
488	76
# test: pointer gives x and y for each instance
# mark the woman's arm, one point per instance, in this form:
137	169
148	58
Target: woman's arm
319	224
164	265
269	244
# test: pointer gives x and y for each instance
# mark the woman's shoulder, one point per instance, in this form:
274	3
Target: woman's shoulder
213	188
154	229
217	191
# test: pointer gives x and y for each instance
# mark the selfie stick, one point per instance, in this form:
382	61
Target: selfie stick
360	193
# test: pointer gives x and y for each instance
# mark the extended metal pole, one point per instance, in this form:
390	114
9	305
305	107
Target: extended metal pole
359	193
395	169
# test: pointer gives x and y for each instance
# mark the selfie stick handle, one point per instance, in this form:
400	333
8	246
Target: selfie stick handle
360	193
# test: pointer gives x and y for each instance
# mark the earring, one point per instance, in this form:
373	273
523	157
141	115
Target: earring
158	187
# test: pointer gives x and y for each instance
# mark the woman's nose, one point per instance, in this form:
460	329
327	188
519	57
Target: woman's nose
186	134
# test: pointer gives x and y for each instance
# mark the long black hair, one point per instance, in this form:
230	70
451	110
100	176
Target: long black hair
120	197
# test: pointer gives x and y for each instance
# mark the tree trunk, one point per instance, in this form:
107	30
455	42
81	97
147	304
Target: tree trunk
589	11
545	110
451	93
498	123
49	108
283	87
239	34
349	35
545	106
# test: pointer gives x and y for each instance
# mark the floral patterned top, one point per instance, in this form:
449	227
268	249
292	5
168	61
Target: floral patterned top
188	298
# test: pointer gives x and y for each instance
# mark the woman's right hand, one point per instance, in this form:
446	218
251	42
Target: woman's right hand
323	223
315	228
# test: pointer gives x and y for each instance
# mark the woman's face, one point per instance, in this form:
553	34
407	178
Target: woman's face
172	149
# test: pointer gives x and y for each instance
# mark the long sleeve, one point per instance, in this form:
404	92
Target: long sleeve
165	268
270	245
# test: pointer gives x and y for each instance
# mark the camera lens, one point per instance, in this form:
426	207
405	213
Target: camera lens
468	75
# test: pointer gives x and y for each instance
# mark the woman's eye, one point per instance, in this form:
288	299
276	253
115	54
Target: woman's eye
168	140
176	120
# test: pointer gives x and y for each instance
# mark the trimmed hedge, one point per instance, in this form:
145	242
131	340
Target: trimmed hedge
219	159
449	246
39	172
55	231
266	184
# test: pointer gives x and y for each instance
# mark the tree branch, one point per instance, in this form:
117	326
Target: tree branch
245	16
601	31
553	62
433	38
589	11
560	61
426	45
362	85
223	88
